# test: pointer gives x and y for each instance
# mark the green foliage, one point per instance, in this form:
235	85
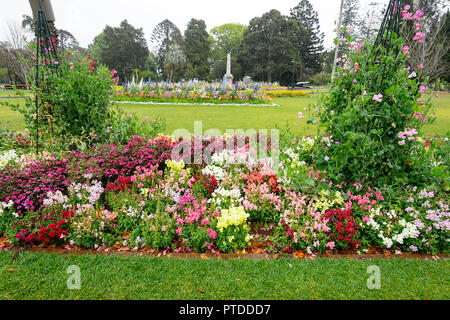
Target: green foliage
269	46
197	48
122	48
73	101
309	39
366	134
164	36
321	78
226	39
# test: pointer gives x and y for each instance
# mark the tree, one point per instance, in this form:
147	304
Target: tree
197	48
174	58
369	21
67	40
28	23
122	48
17	52
226	39
429	52
446	35
269	46
309	38
163	37
349	21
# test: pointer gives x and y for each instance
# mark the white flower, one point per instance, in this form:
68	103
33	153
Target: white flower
8	157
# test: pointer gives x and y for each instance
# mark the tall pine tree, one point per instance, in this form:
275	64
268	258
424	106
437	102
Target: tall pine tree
309	38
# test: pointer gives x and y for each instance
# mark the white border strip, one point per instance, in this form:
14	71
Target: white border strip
197	104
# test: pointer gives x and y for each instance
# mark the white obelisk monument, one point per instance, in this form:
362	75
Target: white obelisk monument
228	77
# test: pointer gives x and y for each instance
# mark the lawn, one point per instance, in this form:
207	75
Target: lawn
43	276
239	117
12	93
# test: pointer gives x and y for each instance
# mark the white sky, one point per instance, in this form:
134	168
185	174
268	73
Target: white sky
87	18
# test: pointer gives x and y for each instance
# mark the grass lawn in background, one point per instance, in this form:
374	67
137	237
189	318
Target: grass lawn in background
12	93
236	117
43	276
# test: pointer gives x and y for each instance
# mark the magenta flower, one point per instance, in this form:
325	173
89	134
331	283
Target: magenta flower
405	49
212	234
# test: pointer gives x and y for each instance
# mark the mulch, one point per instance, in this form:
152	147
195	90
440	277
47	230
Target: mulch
256	252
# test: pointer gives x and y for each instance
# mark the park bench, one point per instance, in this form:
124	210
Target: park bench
18	86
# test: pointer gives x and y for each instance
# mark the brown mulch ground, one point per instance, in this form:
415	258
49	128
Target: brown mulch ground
255	252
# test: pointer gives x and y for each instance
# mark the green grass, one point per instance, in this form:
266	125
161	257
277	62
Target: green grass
12	93
237	117
43	276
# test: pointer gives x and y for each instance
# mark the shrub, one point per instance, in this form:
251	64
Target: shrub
373	115
322	78
73	95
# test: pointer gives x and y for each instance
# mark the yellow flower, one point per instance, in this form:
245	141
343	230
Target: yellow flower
232	217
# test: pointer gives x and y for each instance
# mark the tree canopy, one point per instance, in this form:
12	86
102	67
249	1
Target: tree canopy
197	49
122	48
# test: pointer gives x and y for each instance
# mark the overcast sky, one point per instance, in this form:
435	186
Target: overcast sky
87	18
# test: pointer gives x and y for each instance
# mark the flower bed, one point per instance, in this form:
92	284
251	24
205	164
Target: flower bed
193	96
286	93
135	196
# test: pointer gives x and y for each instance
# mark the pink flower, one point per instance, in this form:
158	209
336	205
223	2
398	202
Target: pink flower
407	7
300	115
405	49
330	245
419	37
366	219
401	142
378	97
204	222
212	234
179	231
420	66
423	89
356	67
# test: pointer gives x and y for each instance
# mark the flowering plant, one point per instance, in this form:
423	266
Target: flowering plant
373	100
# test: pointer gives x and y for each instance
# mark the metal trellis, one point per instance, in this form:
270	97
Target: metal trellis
46	57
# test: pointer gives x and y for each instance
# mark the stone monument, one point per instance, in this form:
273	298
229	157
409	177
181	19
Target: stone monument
228	77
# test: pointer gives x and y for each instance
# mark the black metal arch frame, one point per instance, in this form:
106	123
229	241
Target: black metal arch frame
46	56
